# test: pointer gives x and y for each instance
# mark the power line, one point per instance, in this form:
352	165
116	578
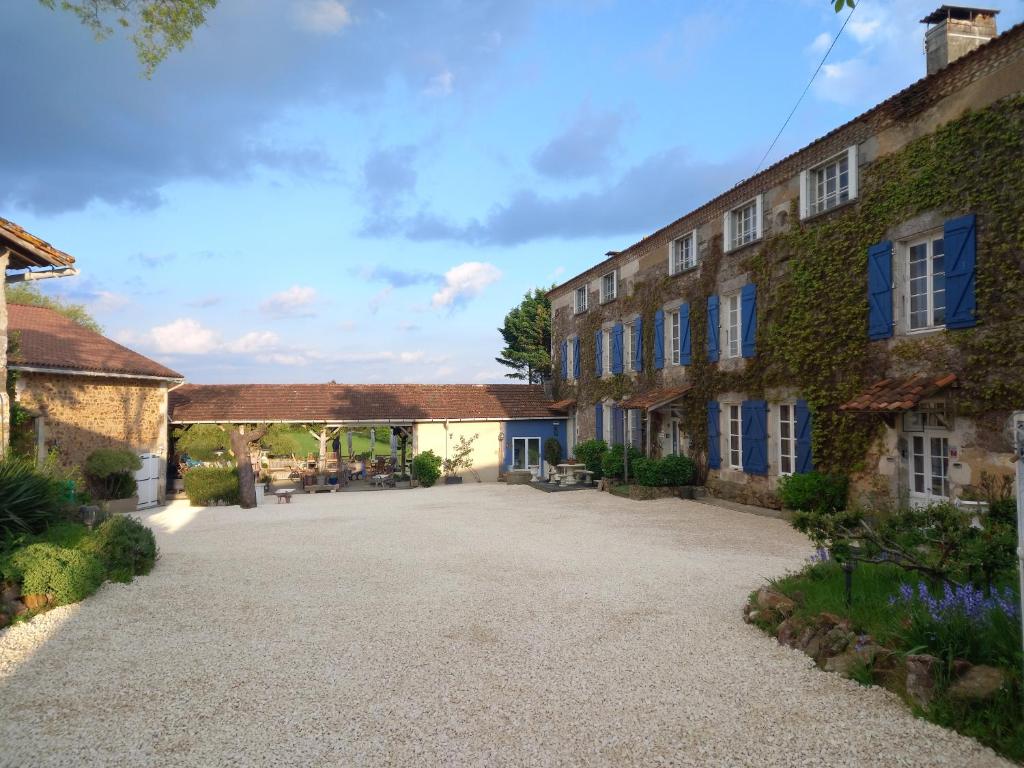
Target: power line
808	87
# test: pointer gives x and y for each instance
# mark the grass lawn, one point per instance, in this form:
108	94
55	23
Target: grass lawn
360	442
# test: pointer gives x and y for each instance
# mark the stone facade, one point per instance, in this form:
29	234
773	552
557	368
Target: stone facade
990	74
76	414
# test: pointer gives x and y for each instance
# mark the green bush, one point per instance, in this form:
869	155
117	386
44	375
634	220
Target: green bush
68	574
590	453
126	547
208	485
552	451
109	471
678	470
646	471
426	468
813	491
612	463
29	499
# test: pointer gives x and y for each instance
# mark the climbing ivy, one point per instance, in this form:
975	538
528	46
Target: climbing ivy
812	294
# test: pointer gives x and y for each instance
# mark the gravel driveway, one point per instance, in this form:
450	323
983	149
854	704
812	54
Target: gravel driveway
478	625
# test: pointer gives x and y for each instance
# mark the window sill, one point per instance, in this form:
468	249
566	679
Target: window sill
684	270
607	301
579	312
738	248
923	331
822	214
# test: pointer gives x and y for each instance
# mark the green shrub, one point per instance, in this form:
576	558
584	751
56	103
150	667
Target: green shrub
426	468
552	451
646	471
612	463
109	471
29	499
126	547
590	453
68	574
208	485
813	491
678	470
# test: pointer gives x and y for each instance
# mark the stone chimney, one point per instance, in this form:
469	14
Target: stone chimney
955	30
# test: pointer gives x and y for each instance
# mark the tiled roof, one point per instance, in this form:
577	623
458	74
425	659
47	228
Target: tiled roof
563	406
654	397
891	395
357	402
47	339
27	250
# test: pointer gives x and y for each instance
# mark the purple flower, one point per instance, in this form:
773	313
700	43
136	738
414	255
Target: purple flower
966	601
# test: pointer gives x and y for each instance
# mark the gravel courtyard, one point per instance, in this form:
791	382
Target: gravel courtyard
478	625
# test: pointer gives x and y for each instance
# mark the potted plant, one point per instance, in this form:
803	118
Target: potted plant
110	474
460	458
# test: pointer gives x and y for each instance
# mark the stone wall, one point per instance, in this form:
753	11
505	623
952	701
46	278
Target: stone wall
82	413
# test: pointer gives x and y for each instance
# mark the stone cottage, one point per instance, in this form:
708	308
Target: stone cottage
23	256
856	307
86	391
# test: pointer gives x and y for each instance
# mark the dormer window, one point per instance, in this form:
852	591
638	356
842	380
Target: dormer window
581	299
683	253
829	185
609	287
743	224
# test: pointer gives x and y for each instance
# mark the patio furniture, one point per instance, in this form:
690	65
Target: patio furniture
284	494
382	480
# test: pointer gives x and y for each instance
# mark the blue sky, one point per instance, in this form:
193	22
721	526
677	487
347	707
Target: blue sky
359	191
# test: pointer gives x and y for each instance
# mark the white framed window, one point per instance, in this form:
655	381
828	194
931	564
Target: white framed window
628	347
732	326
830	184
929	467
743	224
787	439
735	433
606	352
683	253
609	286
581	299
674	335
926	288
570	351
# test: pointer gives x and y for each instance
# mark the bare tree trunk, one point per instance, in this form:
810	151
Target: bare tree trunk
240	442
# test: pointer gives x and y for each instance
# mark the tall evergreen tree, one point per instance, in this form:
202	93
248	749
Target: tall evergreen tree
527	335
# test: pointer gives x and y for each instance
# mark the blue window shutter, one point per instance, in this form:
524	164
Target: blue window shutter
659	340
754	414
748	321
576	358
714	442
961	249
617	348
617	437
638	344
598	353
804	459
880	291
685	345
712	328
598	421
565	360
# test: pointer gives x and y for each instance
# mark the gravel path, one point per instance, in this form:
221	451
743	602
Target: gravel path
479	625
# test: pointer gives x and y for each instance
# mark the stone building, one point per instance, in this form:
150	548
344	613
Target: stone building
856	307
23	256
86	391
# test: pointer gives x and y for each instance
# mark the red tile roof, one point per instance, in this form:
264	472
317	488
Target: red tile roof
27	250
357	402
655	397
47	339
563	406
891	395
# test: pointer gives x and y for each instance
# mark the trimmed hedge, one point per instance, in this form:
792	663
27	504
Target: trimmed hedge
667	471
612	463
813	492
590	453
208	485
126	547
109	471
68	574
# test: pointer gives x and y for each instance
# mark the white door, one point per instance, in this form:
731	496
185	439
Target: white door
929	468
148	479
526	454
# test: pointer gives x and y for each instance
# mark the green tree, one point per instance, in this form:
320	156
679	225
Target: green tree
157	26
27	293
527	335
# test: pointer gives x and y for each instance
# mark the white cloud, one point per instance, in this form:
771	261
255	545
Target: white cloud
864	30
441	84
297	301
254	341
379	298
465	281
184	336
106	301
820	44
323	17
